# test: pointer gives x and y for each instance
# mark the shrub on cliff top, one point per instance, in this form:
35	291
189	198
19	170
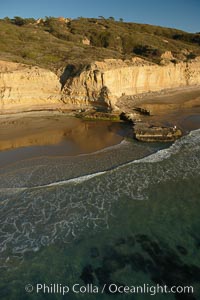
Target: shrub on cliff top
52	43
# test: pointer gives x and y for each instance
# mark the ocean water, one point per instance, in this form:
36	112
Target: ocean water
127	214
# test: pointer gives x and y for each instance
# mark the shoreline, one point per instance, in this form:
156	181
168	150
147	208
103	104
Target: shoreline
173	107
180	107
57	135
175	97
138	99
37	113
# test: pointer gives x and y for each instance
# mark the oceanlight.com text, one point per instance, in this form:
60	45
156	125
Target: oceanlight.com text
112	288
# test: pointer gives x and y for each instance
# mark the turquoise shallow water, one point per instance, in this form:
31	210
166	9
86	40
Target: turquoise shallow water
128	214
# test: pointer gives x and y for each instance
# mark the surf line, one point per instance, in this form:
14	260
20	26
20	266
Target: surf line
76	180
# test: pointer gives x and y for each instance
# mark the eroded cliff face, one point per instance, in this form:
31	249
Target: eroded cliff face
24	88
105	82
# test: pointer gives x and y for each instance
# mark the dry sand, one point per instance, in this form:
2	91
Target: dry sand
180	107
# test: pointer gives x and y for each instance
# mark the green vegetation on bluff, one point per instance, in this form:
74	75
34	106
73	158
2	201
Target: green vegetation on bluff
55	42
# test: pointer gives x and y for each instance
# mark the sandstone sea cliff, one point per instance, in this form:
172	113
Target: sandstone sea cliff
99	84
24	88
105	82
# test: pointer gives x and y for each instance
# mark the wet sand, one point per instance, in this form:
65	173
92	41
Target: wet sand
37	134
50	134
180	107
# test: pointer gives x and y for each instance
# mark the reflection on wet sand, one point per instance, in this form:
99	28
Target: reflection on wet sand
54	135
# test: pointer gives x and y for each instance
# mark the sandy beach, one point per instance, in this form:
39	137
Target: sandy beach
57	133
180	107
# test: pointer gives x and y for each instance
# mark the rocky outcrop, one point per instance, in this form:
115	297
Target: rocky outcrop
97	115
104	82
145	131
149	133
24	88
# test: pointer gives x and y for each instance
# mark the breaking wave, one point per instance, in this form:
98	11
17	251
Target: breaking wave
32	217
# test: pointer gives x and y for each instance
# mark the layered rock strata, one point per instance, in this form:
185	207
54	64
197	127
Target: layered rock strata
105	82
102	83
25	88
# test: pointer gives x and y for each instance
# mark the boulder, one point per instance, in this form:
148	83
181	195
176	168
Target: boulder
149	133
135	115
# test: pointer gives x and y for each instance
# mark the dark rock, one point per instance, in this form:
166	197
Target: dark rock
142	111
134	115
102	274
130	117
181	250
87	274
120	241
94	252
97	115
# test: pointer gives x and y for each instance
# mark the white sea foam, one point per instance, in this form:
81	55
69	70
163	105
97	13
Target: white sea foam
122	143
73	180
41	217
76	180
192	139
